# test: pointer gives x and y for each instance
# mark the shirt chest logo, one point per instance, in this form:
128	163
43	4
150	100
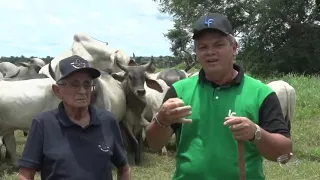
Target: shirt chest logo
230	113
103	147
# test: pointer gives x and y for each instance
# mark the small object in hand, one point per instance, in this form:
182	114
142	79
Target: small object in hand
285	158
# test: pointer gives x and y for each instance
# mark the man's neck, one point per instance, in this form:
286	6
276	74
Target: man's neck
77	114
222	78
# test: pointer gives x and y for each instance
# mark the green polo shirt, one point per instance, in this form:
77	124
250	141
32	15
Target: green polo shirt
206	149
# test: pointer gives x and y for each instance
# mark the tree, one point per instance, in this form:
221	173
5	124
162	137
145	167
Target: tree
276	35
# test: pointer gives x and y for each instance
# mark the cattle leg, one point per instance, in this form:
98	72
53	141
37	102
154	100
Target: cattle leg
143	133
132	138
144	121
127	129
177	136
127	142
138	149
1	144
7	155
164	151
10	142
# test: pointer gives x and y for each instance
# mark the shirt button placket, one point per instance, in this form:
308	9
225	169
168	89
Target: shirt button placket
218	88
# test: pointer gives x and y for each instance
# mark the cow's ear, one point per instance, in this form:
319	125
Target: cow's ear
132	63
153	84
24	64
151	69
118	76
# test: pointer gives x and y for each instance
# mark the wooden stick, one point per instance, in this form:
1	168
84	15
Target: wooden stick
241	153
242	162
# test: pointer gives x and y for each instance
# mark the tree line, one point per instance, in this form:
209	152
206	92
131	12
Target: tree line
17	59
275	35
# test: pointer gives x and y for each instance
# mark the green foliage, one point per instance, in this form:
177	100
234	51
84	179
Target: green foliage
275	35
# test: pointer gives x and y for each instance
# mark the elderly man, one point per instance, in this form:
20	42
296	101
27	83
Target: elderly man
75	141
218	107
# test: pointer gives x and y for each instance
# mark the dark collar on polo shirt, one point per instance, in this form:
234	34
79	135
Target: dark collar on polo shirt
65	120
235	82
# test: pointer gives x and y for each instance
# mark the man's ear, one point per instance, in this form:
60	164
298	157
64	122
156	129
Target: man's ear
235	47
56	90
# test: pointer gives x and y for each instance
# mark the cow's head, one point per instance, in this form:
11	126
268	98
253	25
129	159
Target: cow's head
37	61
151	69
31	67
134	78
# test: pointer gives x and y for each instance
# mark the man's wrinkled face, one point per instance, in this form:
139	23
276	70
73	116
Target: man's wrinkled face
75	90
215	51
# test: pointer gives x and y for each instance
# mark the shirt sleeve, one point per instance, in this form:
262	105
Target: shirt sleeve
119	158
271	117
32	155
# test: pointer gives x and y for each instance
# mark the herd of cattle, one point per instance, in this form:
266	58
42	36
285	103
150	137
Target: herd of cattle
132	92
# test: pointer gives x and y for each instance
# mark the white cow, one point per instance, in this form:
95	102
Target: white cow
169	75
54	62
97	53
21	101
154	101
37	61
287	97
92	50
8	69
193	74
154	98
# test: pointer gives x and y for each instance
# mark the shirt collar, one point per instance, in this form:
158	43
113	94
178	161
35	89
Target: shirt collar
65	120
235	81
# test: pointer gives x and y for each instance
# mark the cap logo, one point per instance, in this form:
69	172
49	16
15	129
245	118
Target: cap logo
208	21
78	64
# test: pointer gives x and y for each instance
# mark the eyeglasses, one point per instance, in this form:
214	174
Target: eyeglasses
77	86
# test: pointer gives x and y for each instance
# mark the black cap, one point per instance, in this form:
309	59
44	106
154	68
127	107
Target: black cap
76	63
213	21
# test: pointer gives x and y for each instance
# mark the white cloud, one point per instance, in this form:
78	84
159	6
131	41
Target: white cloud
41	28
12	5
53	20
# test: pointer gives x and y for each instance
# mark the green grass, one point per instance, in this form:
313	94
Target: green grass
305	134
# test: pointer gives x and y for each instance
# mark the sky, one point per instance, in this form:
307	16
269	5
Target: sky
45	28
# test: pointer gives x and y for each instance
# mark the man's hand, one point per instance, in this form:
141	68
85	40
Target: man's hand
241	127
174	111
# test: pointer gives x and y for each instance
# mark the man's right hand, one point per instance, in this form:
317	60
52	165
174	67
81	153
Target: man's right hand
174	111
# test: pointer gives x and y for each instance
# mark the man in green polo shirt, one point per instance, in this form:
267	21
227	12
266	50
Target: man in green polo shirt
218	107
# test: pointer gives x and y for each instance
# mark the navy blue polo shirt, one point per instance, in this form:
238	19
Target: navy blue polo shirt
61	149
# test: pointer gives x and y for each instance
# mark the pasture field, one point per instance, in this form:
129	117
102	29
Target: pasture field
305	134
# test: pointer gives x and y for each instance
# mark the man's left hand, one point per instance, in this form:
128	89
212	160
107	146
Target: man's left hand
241	127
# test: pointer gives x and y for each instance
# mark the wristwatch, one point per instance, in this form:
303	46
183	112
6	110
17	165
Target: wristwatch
257	134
